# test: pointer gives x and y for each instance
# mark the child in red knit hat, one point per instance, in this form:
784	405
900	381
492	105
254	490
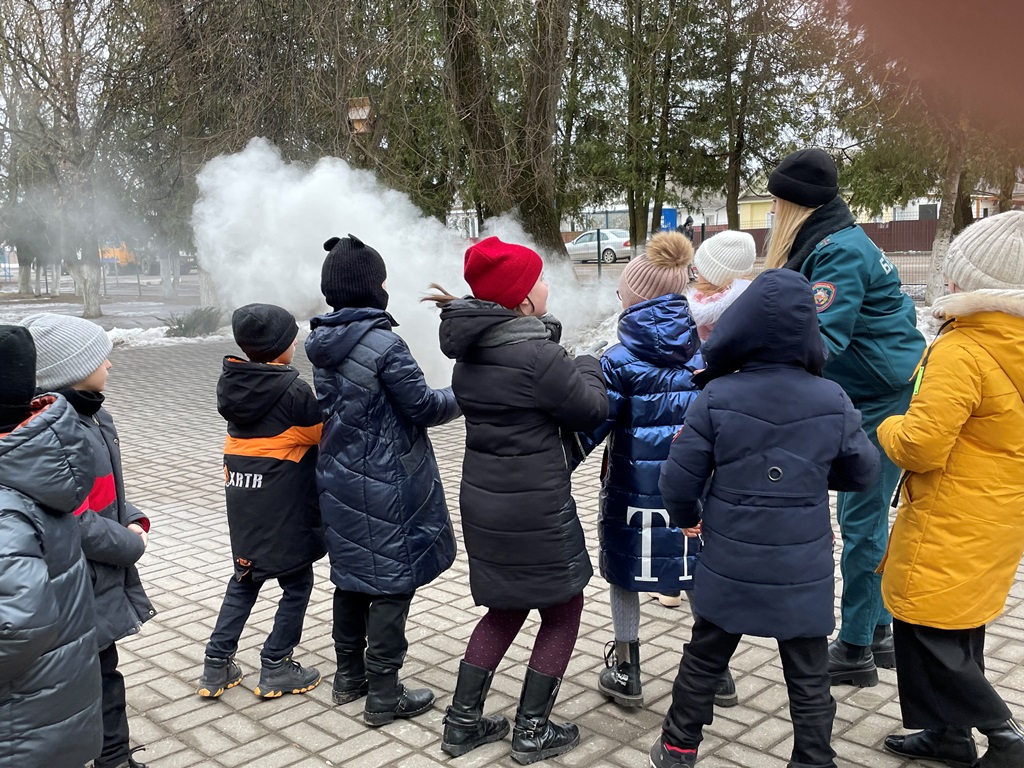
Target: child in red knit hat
523	398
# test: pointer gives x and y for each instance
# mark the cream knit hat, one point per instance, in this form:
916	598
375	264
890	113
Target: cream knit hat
725	256
660	271
989	254
68	349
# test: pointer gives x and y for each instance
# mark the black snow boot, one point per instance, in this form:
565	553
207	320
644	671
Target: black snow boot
883	648
725	691
620	679
218	676
851	664
1005	746
285	676
952	746
350	679
535	738
465	727
388	699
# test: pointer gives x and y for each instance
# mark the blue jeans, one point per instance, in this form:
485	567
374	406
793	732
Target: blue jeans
864	524
238	603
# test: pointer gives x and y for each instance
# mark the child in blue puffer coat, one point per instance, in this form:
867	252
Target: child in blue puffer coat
650	387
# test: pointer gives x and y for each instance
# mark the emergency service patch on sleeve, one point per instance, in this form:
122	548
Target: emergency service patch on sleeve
824	295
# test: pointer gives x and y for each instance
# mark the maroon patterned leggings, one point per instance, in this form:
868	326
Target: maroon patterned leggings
556	638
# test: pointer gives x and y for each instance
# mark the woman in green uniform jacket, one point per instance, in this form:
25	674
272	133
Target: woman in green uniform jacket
870	332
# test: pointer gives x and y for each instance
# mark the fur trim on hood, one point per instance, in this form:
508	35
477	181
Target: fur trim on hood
706	311
1009	301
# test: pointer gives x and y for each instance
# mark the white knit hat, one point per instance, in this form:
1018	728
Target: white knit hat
68	349
989	254
725	256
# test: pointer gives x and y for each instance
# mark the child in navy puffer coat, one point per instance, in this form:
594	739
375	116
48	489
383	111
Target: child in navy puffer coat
383	506
773	437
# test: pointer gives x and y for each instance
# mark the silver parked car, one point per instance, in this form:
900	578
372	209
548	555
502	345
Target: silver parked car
615	245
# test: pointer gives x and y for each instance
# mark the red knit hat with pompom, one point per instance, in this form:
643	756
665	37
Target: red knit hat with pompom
501	272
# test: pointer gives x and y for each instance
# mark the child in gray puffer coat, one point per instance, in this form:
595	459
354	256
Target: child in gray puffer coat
49	673
72	354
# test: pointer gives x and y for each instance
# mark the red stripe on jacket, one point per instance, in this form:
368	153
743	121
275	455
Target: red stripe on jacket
102	495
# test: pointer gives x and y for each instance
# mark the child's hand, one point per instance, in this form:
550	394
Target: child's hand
692	533
139	530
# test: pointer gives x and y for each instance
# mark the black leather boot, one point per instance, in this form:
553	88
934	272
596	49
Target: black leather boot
952	746
350	679
1005	746
620	680
882	647
465	727
851	664
535	737
388	699
725	691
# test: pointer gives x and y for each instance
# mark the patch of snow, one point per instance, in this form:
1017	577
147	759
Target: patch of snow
586	343
155	337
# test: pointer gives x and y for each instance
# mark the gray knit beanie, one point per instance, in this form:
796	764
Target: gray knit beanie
726	256
68	349
989	254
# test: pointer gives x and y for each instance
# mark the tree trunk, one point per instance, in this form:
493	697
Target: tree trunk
944	229
963	216
24	276
1007	183
207	291
89	278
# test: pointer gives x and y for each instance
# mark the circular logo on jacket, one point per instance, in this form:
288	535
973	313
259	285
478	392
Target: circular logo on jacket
824	295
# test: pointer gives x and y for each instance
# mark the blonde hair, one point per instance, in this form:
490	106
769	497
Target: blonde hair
701	285
440	296
789	218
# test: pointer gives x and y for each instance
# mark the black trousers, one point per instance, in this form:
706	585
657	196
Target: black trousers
942	680
805	667
375	623
115	712
238	603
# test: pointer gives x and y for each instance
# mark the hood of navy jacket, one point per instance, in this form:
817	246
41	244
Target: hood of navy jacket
48	458
660	331
342	331
247	391
773	322
466	321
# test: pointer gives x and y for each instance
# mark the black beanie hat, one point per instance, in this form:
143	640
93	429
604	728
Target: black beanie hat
17	374
263	331
808	178
353	274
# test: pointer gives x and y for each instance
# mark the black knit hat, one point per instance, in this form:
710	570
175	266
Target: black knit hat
353	274
263	331
808	178
17	374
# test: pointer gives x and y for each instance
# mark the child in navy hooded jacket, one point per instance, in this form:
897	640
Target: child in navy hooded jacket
773	437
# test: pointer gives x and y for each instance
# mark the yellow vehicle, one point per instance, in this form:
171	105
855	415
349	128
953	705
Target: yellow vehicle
120	257
112	254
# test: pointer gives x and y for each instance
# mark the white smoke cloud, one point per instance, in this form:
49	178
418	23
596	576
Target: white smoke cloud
260	224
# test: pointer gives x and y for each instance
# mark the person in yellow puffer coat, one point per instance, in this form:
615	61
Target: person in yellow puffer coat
959	533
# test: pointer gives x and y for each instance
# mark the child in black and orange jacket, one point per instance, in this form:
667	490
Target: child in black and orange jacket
273	515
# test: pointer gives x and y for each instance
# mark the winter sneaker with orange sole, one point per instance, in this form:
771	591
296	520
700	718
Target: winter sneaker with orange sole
218	676
285	676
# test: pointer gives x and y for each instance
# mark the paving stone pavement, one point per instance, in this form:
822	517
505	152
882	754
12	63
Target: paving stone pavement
163	400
